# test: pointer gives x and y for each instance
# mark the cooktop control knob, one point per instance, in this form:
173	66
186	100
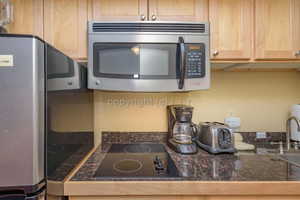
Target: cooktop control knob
158	164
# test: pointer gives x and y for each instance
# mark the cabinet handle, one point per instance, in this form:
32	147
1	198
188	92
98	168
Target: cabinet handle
153	17
215	53
143	17
297	53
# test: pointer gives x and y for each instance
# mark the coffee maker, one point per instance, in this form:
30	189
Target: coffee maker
182	131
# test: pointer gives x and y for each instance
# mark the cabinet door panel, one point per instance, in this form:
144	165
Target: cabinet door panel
66	26
119	9
27	17
277	34
296	29
179	10
231	28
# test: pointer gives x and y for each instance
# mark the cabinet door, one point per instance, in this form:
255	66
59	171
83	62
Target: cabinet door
277	31
119	10
179	10
27	17
231	28
66	26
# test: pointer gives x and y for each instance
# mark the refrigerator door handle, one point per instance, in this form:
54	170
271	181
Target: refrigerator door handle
37	195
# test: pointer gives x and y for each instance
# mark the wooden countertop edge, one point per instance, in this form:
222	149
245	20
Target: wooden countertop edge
126	188
55	188
79	165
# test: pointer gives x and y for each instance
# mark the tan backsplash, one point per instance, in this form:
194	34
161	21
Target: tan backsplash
71	112
261	99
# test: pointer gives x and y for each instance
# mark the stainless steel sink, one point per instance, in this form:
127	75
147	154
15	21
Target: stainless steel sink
277	151
291	158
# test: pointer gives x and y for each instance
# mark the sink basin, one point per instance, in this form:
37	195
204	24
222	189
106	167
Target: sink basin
276	151
291	158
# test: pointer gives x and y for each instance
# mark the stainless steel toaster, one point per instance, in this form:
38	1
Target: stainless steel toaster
215	138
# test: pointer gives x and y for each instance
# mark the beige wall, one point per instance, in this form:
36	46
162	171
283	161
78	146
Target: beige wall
261	99
71	112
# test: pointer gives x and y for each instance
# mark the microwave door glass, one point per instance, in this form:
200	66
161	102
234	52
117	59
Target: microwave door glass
158	61
132	61
118	59
58	65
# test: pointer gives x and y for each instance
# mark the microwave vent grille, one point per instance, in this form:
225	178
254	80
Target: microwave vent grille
149	27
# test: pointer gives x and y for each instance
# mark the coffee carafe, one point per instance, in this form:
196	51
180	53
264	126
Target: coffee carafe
182	131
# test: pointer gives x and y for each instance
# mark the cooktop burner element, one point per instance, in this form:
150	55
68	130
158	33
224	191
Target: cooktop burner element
139	148
128	166
137	161
136	148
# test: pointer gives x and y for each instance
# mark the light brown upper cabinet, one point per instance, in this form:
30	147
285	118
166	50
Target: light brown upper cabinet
27	17
179	10
169	10
65	24
119	10
65	21
231	25
277	31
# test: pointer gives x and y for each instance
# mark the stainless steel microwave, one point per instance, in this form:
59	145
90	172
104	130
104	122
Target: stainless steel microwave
63	73
148	56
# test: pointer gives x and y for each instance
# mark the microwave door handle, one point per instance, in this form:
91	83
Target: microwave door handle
182	65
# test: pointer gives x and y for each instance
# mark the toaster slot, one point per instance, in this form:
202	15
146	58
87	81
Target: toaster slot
224	138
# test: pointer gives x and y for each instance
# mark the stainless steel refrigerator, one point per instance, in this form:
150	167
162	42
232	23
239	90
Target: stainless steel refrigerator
26	63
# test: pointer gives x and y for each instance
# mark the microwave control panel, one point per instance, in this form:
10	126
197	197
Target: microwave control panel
195	61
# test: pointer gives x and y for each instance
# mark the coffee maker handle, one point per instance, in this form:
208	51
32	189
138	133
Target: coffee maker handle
195	131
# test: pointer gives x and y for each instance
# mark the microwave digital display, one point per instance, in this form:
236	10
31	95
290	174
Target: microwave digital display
194	47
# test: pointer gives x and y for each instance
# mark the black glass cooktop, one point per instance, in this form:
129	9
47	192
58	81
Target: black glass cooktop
137	161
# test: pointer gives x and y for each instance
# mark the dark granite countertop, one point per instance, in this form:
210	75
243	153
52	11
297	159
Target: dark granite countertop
65	167
65	151
201	166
